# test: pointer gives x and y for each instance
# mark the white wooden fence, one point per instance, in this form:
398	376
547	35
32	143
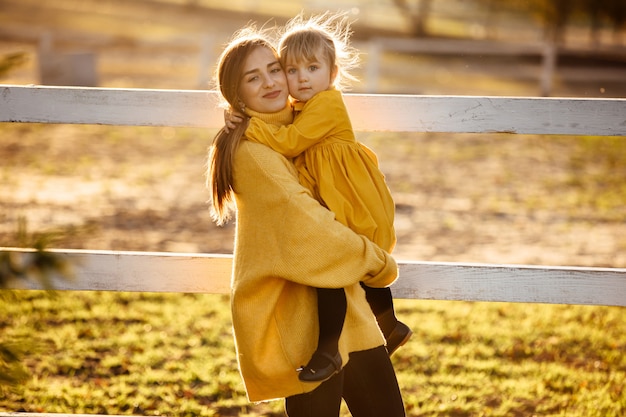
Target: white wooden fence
375	47
209	273
547	54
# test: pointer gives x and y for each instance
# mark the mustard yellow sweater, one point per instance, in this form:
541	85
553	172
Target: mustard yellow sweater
286	243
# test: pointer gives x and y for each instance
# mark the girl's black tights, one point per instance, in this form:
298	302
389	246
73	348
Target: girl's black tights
381	302
331	311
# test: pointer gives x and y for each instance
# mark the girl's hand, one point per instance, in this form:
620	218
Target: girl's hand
231	119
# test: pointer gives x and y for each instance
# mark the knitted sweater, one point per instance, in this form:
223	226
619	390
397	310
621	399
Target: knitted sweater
286	243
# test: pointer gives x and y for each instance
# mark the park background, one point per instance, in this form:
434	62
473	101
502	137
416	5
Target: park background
543	200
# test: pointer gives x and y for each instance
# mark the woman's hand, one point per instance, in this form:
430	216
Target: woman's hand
231	119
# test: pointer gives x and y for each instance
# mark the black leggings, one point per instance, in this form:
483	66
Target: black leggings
331	310
367	383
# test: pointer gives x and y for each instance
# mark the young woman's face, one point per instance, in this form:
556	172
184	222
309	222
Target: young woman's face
263	85
306	78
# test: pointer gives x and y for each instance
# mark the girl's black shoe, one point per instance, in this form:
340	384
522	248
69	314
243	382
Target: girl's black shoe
398	337
321	367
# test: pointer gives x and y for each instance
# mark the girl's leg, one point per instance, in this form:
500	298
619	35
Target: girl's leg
324	401
325	362
381	301
370	386
331	313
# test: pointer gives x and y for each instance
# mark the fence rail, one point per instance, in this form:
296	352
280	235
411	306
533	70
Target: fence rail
210	273
376	112
142	271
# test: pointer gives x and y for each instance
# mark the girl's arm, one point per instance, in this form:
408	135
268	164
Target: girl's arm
318	119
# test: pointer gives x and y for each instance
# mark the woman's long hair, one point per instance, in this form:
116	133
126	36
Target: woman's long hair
228	77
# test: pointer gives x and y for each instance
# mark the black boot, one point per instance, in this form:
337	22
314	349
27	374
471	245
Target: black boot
396	333
398	337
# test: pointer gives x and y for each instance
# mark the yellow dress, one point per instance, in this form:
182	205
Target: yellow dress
341	173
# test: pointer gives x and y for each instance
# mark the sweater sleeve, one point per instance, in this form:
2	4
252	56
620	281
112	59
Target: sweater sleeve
319	251
319	117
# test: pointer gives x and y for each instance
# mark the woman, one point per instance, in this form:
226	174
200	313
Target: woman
286	243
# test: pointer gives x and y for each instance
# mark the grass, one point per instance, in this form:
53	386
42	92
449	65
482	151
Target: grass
514	359
126	353
173	354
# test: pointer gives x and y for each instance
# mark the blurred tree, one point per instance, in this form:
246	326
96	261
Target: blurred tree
594	10
490	19
616	13
554	14
11	61
12	371
39	264
417	14
494	10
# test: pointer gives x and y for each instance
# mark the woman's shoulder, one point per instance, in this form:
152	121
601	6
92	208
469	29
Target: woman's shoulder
256	156
265	175
253	151
248	148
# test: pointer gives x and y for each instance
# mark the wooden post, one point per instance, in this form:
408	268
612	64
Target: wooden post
548	67
207	59
65	69
374	56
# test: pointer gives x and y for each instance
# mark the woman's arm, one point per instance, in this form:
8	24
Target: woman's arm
314	249
328	253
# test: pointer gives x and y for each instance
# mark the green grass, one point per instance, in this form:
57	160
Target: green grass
502	359
173	354
153	354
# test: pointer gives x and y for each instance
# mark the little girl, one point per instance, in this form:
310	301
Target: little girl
341	173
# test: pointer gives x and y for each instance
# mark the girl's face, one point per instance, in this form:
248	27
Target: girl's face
263	85
306	78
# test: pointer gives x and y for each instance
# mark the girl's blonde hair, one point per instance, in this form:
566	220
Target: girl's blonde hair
228	78
328	34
